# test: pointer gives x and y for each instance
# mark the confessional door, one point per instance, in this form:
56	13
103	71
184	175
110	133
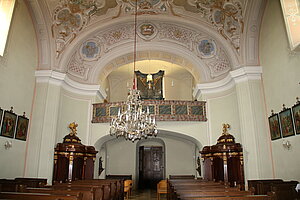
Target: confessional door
151	166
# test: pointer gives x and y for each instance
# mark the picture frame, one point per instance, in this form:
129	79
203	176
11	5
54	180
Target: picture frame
296	117
9	124
22	128
286	123
274	127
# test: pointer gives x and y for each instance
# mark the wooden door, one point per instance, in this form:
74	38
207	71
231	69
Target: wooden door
151	166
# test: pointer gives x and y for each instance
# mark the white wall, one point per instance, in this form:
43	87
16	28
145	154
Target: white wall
222	108
74	108
121	156
17	84
281	84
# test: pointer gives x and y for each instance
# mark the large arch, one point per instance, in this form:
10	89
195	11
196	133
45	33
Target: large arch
188	52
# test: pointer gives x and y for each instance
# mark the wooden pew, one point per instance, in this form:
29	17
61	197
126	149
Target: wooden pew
249	197
117	186
32	182
285	191
39	196
109	188
208	193
262	186
123	177
87	193
105	194
181	176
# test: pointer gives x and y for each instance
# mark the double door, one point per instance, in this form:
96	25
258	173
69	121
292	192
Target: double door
151	166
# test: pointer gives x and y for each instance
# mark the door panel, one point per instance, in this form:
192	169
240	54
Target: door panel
151	166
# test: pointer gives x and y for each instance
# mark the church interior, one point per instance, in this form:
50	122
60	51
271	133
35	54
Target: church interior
218	83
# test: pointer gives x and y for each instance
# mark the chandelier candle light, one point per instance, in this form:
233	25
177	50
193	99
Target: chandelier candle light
134	123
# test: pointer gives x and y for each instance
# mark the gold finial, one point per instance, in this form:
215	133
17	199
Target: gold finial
24	114
73	127
11	109
225	129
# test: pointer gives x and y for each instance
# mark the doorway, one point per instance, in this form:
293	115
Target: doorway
151	166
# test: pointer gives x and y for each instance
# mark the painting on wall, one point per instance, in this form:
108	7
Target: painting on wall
274	127
296	116
9	124
22	127
286	122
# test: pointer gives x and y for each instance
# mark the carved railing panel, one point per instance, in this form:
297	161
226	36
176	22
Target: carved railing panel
164	110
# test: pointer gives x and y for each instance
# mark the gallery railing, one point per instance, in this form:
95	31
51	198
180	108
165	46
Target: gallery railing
164	110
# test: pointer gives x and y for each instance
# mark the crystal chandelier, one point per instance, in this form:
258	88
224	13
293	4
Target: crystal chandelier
133	123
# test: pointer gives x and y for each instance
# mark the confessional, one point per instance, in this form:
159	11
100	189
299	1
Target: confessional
224	160
73	160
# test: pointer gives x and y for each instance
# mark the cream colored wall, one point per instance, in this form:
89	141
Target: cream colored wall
121	156
17	83
281	84
74	108
177	82
222	108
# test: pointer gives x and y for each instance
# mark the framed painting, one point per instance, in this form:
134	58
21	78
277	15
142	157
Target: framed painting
274	127
286	123
22	127
296	116
8	124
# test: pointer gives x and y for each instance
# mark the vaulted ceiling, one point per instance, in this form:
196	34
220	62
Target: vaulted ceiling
88	39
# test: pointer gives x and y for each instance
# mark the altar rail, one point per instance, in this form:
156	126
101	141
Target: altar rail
164	110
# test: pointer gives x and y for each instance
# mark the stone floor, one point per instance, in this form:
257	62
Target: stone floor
146	195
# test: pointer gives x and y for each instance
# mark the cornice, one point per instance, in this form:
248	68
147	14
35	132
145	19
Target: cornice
61	79
234	77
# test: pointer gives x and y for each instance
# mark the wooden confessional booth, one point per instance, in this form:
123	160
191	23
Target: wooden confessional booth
224	160
73	160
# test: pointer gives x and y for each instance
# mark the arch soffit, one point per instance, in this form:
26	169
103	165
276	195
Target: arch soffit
188	52
39	12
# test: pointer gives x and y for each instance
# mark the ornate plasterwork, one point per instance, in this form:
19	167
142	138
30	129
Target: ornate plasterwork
69	18
147	31
84	58
151	7
198	43
226	16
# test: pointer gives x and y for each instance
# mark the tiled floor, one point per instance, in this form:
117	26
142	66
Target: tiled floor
146	195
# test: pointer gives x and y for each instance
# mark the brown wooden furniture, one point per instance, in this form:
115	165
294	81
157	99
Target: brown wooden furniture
39	196
127	188
117	176
224	161
73	160
161	188
13	185
181	189
181	176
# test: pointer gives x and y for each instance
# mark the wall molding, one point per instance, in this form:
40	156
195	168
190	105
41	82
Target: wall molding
234	77
62	80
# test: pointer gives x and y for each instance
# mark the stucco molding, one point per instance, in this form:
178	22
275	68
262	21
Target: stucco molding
61	79
240	75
